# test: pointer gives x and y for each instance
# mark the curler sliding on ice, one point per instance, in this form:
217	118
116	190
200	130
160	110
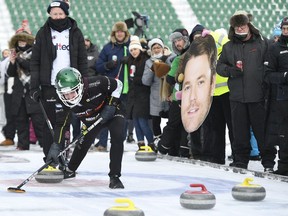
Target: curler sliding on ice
76	142
93	100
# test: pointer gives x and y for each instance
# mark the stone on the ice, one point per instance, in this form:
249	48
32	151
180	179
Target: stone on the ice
202	199
248	192
129	210
50	175
145	154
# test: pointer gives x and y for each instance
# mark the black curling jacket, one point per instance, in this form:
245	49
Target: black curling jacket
96	94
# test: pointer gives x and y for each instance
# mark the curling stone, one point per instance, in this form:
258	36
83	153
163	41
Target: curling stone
202	199
248	192
50	175
145	154
129	210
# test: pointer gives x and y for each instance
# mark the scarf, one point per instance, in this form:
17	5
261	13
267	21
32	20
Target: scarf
60	24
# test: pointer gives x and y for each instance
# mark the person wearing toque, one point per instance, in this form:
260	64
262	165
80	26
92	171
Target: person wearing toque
51	52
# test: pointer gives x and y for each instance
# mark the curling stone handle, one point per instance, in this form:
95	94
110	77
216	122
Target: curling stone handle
247	181
146	148
203	188
131	205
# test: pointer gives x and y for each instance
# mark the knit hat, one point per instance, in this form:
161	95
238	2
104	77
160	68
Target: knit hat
154	41
196	30
134	43
284	22
61	4
240	18
119	26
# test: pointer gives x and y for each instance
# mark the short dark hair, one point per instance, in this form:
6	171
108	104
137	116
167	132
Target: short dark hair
200	46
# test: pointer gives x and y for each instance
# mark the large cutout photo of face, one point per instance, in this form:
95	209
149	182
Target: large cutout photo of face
199	66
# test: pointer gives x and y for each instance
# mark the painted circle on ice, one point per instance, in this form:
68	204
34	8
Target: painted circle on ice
97	182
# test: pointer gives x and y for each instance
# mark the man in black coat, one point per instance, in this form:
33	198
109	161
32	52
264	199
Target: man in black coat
242	60
59	43
277	124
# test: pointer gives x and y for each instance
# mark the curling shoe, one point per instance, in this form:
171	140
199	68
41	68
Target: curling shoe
130	139
115	183
69	173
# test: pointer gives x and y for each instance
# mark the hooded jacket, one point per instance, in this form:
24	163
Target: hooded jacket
21	73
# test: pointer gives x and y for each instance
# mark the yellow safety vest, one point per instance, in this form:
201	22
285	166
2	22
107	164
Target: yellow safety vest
221	86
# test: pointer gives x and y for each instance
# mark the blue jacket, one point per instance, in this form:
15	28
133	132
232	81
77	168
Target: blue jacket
105	56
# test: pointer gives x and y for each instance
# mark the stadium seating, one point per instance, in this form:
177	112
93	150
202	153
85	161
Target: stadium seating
96	18
215	14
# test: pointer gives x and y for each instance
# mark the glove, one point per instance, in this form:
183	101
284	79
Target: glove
235	72
53	154
107	113
111	65
35	94
124	60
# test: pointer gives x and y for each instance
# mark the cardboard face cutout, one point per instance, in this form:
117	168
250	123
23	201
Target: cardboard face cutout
198	85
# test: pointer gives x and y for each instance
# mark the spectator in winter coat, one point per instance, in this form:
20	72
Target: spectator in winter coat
23	107
219	116
138	95
150	78
242	61
92	55
8	129
59	43
195	139
174	137
112	62
277	124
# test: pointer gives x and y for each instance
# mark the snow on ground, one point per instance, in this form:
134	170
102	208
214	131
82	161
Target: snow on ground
155	187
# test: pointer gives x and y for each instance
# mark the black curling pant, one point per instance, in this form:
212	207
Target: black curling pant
116	127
